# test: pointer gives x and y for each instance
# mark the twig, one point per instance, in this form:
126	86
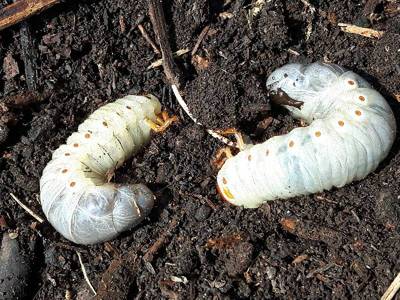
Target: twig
29	55
148	39
85	273
367	32
200	39
149	256
159	62
21	10
27	209
158	20
393	289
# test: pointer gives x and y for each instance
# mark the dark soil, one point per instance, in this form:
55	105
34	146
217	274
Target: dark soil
339	244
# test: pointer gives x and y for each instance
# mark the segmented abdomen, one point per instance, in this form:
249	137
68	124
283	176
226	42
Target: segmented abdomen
75	193
352	131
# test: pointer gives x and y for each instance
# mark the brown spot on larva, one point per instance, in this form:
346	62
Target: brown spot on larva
128	107
76	145
64	171
351	82
224	180
72	184
358	112
267	152
362	98
318	133
291	144
105	124
67	154
341	123
249	157
87	135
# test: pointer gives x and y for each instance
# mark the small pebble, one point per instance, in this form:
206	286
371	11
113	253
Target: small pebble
202	213
4	131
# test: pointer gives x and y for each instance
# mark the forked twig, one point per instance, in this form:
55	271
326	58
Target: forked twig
170	69
158	20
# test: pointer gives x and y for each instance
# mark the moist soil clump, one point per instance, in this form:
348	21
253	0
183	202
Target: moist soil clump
335	244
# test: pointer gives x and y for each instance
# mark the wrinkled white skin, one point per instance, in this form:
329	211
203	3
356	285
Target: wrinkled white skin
351	130
75	194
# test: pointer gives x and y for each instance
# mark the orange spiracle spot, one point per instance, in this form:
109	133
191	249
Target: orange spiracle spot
87	135
76	145
227	193
318	133
105	124
351	82
291	144
341	123
64	171
223	195
224	180
72	184
358	112
362	98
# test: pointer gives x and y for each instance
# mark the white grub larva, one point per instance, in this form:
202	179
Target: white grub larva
75	192
351	129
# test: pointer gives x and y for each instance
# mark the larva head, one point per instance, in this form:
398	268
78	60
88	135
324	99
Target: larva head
287	78
297	83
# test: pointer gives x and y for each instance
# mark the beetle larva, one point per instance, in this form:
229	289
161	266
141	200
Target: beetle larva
75	192
351	129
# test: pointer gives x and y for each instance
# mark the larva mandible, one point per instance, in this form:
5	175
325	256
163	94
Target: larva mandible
75	192
351	129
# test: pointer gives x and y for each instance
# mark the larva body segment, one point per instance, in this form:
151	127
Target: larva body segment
351	130
75	194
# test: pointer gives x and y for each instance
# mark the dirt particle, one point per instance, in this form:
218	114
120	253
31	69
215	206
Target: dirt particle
202	213
238	258
10	67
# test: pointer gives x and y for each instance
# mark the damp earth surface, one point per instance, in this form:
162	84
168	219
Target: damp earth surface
338	244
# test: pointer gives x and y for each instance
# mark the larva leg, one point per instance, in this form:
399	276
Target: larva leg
162	122
222	155
238	136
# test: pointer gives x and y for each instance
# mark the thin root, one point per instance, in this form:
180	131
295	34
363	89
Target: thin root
162	122
85	273
26	208
393	289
